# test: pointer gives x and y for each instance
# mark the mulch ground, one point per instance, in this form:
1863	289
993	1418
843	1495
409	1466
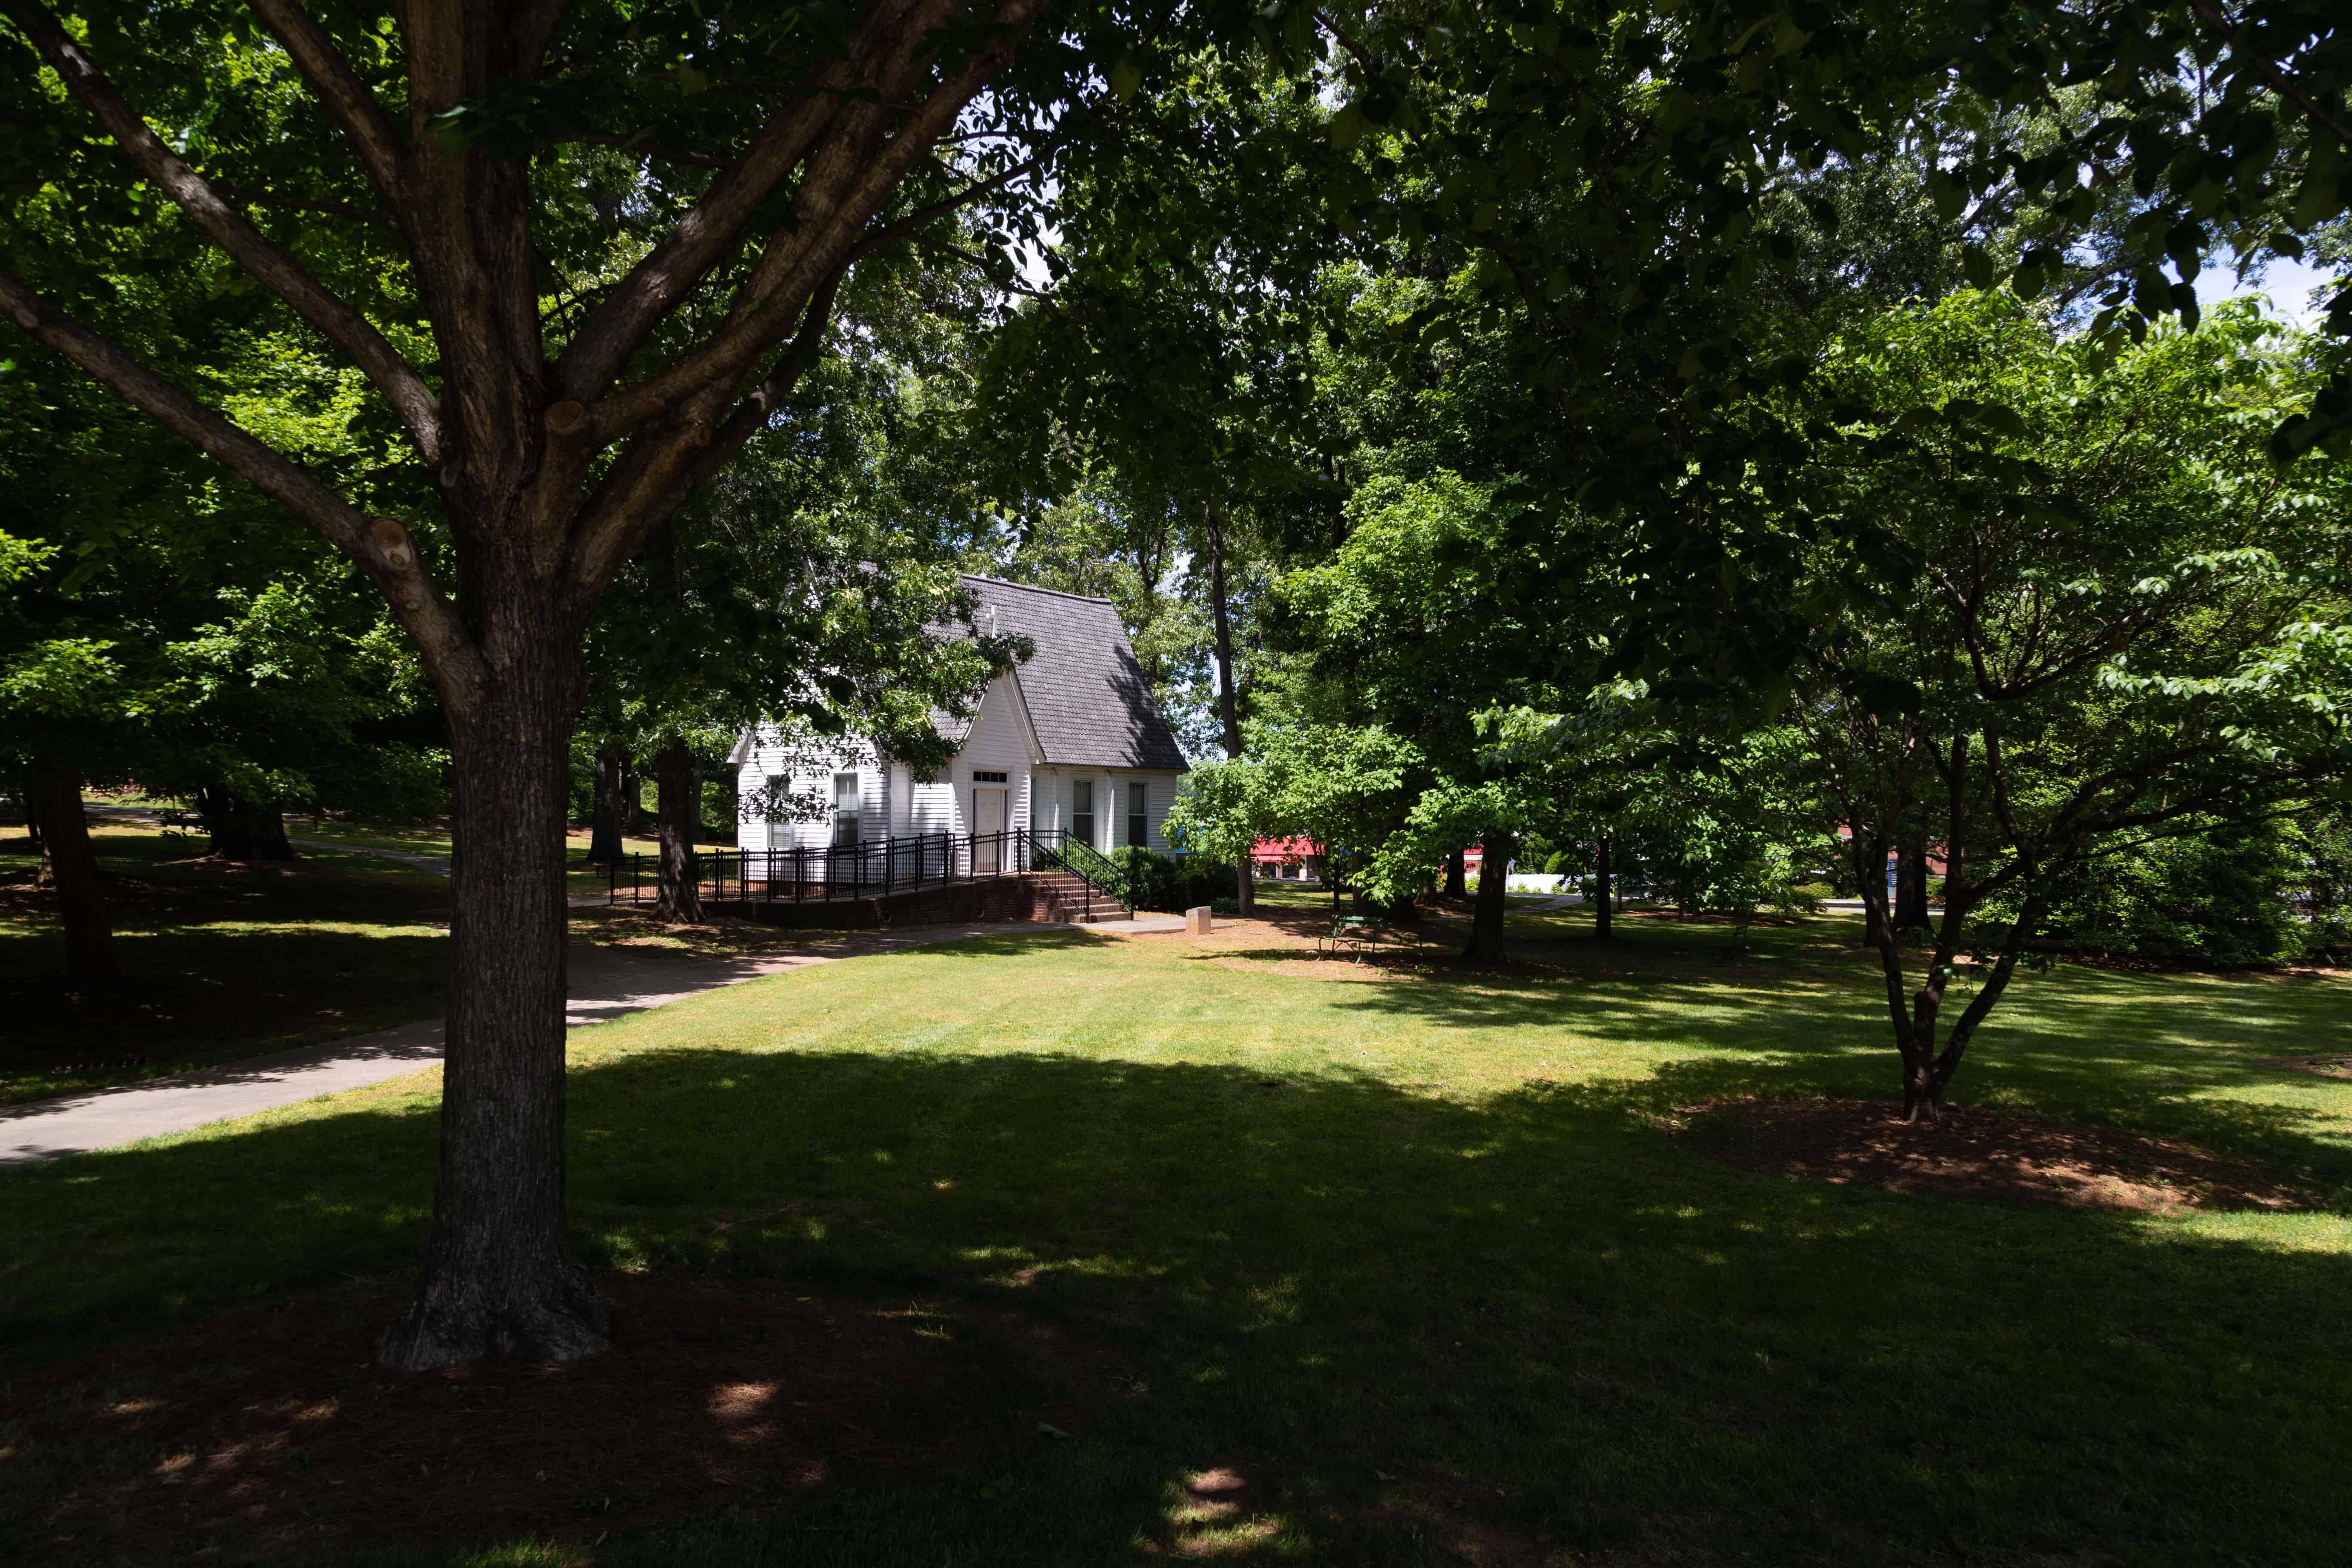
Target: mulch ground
2325	1067
275	1433
1983	1156
1285	944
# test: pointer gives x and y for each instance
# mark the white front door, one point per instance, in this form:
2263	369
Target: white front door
987	818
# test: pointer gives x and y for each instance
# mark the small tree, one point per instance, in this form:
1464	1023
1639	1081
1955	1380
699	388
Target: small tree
2113	620
1341	788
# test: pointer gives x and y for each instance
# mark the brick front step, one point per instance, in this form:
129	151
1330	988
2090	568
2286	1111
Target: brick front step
1067	893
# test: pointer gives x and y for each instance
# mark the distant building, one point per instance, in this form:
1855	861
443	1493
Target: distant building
1069	742
1287	859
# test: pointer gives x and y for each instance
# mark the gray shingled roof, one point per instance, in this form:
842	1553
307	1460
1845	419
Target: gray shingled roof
1086	695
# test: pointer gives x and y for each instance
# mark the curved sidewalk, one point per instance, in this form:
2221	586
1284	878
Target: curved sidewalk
604	983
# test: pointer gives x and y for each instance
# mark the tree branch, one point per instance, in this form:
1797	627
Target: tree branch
653	477
644	149
414	598
375	139
945	205
254	198
837	197
621	323
528	32
980	264
273	268
2282	81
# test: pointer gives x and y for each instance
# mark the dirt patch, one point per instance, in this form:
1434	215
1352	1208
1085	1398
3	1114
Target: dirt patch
1984	1156
1386	967
2325	1067
275	1433
1289	944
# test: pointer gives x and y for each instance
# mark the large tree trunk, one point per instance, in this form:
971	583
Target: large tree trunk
1494	887
499	1279
1457	875
549	475
633	801
1604	891
1870	877
240	830
678	895
45	875
73	870
604	816
1228	704
1911	888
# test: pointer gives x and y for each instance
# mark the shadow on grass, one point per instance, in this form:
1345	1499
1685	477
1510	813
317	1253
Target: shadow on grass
2167	1054
1534	1315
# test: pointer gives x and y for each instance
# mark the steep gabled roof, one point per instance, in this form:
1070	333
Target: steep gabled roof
1088	700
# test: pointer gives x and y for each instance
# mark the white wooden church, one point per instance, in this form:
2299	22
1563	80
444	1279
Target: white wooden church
1069	741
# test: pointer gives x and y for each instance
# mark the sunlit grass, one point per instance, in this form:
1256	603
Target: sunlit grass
1417	1226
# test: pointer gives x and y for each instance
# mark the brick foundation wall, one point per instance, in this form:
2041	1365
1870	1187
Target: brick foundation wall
957	903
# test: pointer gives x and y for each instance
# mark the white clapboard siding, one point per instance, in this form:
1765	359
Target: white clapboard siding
765	757
997	744
895	804
1054	795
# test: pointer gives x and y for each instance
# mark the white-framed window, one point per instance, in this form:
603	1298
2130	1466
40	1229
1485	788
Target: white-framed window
777	789
846	811
1082	811
1139	812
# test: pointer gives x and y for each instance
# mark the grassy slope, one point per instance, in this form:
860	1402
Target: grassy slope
220	961
583	878
1413	1226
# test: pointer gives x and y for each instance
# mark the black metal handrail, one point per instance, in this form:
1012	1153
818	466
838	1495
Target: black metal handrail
825	873
1081	859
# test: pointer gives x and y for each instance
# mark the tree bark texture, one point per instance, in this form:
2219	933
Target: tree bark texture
604	816
1457	875
1870	878
1911	888
1228	702
73	871
240	830
499	1279
632	802
1494	889
678	895
45	875
1604	891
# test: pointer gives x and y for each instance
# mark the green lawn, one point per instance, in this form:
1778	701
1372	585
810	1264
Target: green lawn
223	960
1420	1228
583	878
219	961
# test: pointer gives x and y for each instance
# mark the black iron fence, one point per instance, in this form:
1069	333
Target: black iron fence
878	867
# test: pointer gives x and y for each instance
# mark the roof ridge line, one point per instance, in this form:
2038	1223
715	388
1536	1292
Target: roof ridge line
1034	588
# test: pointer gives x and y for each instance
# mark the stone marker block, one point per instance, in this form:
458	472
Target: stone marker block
1197	921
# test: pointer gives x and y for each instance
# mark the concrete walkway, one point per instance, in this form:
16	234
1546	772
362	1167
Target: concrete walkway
604	983
436	864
